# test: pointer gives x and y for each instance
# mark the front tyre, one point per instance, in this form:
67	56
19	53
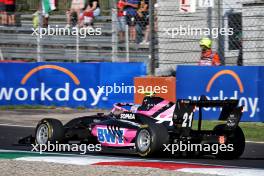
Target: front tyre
150	140
50	130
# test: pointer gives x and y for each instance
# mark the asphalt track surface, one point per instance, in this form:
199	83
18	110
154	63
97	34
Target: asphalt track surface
253	156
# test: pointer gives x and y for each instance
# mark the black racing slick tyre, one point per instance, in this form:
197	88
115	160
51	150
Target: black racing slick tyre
49	130
235	137
151	139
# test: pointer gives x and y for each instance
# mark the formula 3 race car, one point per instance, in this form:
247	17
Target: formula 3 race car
147	128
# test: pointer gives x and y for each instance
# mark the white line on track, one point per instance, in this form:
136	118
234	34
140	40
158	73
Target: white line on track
255	142
91	159
74	159
224	171
89	156
67	160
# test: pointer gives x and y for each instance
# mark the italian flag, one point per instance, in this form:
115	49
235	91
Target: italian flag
48	6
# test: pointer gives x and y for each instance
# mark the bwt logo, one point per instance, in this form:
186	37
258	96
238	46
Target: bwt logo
44	93
250	103
106	136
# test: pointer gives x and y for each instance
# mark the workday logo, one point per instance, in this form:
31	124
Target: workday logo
226	72
55	67
43	92
226	91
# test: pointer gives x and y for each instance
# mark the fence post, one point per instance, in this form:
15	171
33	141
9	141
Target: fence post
114	31
127	43
209	20
1	55
39	49
152	61
77	46
221	39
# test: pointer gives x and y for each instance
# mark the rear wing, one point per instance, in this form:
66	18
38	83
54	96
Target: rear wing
184	111
210	103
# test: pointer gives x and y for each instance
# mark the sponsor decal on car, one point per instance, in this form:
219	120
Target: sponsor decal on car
105	135
128	116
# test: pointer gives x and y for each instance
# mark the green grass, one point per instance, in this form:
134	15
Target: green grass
14	155
253	131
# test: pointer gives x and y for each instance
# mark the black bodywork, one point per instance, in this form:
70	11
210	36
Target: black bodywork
80	129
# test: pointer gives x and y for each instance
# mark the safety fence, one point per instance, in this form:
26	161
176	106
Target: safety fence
161	33
73	42
235	27
62	5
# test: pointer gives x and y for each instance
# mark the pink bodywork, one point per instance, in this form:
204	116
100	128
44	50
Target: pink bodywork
128	136
106	137
154	109
165	116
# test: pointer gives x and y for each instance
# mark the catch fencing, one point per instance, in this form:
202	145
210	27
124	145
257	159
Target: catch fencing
236	28
161	33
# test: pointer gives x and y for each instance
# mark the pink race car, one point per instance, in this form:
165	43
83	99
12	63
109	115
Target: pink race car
149	127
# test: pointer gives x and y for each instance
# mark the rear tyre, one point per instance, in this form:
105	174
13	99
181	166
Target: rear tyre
49	130
150	140
235	137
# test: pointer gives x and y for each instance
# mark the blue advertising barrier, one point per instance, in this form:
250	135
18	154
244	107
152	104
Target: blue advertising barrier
91	85
219	83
